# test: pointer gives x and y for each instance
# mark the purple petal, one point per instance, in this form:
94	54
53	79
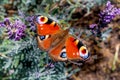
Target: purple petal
93	25
7	21
2	24
108	3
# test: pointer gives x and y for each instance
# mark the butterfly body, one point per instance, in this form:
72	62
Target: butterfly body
60	45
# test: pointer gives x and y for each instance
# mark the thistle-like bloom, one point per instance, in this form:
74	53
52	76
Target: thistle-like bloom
109	13
15	30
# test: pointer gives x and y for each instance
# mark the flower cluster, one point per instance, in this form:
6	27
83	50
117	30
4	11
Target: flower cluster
2	24
93	26
106	17
15	30
109	13
95	29
30	20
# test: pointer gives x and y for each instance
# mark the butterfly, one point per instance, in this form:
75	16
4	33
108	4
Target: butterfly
60	45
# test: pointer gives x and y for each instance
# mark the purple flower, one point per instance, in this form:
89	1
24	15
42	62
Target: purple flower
95	29
30	20
15	30
109	13
92	26
2	24
106	17
5	22
21	14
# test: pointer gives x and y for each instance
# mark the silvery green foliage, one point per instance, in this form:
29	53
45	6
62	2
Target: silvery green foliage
99	2
2	12
46	7
26	61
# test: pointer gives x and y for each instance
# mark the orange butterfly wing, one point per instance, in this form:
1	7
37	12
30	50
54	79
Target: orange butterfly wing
56	52
69	49
75	49
45	29
44	44
47	26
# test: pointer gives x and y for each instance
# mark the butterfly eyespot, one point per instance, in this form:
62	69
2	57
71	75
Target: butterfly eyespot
42	19
84	52
63	53
42	37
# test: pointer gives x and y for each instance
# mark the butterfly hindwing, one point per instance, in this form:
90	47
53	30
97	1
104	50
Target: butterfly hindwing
75	49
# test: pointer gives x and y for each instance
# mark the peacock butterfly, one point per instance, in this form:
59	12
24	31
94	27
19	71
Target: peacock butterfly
60	45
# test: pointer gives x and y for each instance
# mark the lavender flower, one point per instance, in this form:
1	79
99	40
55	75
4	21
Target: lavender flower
30	20
92	26
109	13
5	22
95	29
2	24
21	14
106	17
15	30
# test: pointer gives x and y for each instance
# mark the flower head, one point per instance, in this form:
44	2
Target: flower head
30	20
95	29
92	26
109	13
16	30
106	17
2	24
5	22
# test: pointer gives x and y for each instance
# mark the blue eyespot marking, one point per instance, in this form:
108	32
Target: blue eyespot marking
63	55
42	37
86	56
